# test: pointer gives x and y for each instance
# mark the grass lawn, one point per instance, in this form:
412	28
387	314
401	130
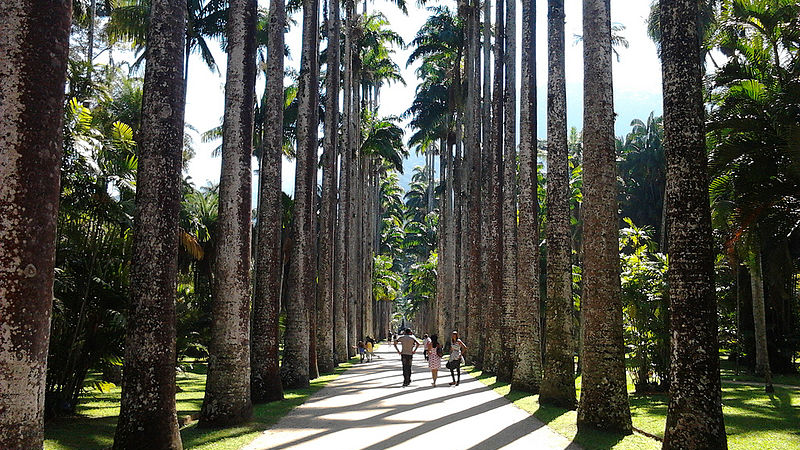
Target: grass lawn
753	419
93	427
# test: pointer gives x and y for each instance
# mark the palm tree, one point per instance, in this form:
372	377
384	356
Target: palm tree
485	177
265	374
326	294
604	395
494	343
558	384
528	366
30	148
147	408
227	396
694	417
296	360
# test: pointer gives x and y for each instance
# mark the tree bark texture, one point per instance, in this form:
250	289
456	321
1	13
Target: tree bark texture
264	361
759	312
604	396
479	345
494	342
227	397
509	215
34	47
694	416
326	291
147	408
295	369
473	263
558	384
528	365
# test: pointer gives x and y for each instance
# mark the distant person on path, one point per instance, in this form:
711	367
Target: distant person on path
409	345
361	350
435	353
425	341
457	349
369	346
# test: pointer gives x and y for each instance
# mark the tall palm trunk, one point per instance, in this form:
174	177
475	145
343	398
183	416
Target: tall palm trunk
147	408
759	313
295	369
509	214
325	357
34	47
528	365
458	224
473	152
494	343
345	192
265	371
227	398
354	143
558	384
694	417
440	308
485	124
604	395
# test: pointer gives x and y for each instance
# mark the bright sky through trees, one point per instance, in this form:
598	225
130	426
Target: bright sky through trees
637	77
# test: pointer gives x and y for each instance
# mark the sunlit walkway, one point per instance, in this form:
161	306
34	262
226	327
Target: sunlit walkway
367	408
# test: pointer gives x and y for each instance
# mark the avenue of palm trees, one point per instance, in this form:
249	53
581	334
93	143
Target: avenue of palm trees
499	246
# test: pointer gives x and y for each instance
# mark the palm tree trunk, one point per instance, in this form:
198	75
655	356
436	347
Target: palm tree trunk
325	353
147	408
604	395
509	215
759	315
439	308
296	360
227	398
494	342
264	361
528	365
34	48
558	384
458	224
694	417
485	124
354	257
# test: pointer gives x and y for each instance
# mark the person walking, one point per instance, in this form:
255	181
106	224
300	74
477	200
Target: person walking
369	345
409	345
361	350
425	341
457	349
435	353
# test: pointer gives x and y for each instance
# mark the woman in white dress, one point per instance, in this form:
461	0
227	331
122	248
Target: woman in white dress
434	349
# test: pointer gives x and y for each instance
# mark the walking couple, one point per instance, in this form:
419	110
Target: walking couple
409	345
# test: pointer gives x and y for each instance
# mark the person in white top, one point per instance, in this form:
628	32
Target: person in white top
457	349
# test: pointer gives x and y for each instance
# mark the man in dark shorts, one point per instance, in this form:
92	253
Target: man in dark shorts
408	346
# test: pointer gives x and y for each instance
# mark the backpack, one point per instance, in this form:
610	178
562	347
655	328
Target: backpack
439	351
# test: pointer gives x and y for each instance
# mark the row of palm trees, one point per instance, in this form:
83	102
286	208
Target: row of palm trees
489	230
499	220
240	371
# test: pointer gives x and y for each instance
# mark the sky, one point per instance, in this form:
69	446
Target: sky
637	77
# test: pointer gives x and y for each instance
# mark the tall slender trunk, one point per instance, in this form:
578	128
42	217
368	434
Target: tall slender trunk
34	48
528	365
325	321
558	384
354	143
759	313
227	398
479	350
494	342
458	224
694	416
147	408
296	360
604	395
473	195
509	215
264	361
438	309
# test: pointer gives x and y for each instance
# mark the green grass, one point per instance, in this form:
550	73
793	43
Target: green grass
93	427
728	372
753	419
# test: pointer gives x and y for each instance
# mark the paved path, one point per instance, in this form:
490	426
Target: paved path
367	408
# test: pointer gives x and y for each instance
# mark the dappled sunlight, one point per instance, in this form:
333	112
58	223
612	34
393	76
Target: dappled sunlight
368	408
